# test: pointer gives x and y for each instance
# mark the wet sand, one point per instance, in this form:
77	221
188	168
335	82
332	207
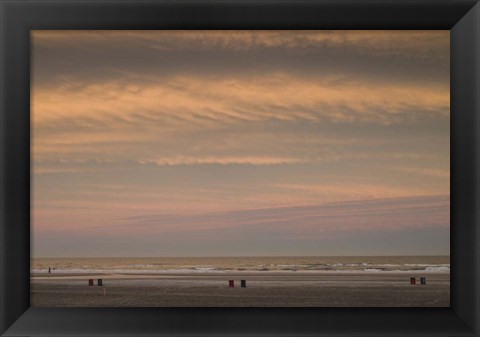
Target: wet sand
263	290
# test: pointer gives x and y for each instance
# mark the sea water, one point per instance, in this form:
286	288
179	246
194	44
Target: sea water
371	264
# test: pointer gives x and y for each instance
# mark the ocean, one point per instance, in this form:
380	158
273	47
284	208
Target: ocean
312	264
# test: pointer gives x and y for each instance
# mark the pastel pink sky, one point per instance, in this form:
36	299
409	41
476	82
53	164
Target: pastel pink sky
187	143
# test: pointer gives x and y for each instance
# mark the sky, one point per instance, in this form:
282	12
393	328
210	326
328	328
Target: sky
231	143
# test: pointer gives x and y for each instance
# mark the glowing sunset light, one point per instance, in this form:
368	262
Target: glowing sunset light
183	143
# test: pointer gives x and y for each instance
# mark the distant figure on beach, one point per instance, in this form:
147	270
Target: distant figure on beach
49	270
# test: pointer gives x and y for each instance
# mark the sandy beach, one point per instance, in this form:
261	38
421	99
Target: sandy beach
263	290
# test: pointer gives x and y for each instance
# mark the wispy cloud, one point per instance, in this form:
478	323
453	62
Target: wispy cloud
207	101
239	134
425	171
185	160
380	214
103	120
405	43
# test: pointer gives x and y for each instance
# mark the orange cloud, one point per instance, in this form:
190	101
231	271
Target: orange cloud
422	43
209	100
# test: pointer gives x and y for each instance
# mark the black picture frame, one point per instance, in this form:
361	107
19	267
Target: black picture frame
18	17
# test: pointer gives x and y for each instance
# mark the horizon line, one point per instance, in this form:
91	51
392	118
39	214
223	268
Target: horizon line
240	256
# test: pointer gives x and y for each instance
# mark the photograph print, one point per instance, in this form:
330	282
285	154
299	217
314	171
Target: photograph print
181	168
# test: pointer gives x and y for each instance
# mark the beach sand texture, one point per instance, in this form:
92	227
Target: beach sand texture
275	289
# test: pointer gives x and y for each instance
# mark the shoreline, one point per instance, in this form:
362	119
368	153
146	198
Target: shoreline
139	275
